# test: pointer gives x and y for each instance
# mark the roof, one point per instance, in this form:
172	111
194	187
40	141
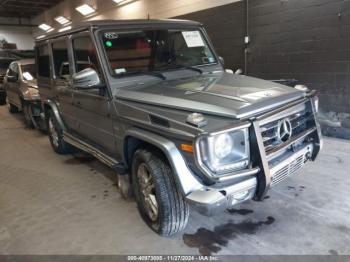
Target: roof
25	61
124	22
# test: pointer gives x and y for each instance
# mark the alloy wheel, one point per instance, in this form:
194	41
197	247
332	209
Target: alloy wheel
148	192
53	132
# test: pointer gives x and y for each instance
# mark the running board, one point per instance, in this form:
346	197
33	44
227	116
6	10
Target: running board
74	141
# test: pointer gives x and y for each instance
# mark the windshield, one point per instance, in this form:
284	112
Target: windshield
156	50
29	72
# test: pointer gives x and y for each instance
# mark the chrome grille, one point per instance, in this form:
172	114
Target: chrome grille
301	121
288	170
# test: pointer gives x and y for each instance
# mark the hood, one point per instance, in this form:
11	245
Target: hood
223	94
32	83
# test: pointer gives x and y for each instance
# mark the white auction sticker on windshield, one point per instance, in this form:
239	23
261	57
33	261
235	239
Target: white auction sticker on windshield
193	38
27	76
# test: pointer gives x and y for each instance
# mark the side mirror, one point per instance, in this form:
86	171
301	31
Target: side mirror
12	78
222	61
86	79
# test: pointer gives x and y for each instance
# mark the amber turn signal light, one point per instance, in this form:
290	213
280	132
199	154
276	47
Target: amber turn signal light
187	148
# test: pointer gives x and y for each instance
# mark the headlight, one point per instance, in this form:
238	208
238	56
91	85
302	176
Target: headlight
223	146
225	152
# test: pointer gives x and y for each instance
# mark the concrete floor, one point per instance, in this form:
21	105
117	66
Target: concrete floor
51	204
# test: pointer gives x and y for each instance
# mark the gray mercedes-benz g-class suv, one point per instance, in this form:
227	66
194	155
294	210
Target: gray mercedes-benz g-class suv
151	99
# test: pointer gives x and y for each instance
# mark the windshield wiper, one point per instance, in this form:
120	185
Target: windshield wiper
150	73
193	68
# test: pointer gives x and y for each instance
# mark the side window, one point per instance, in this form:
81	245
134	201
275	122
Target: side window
85	54
13	69
43	60
60	59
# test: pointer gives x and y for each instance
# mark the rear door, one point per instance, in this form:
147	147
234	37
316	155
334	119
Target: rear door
62	73
44	72
92	107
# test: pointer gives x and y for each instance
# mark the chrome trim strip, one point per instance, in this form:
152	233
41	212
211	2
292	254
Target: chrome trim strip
259	157
283	114
293	157
227	130
270	154
243	173
70	139
318	138
281	109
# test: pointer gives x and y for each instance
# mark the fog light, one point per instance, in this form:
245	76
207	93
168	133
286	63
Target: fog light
241	195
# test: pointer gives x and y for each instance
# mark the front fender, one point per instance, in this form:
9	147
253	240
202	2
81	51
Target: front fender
184	177
51	105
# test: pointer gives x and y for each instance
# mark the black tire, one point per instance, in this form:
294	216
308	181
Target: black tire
27	115
12	108
56	136
172	209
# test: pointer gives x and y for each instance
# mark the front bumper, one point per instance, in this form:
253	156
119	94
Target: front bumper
273	167
212	200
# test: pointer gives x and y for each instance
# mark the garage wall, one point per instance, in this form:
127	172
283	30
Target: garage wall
306	40
22	36
133	9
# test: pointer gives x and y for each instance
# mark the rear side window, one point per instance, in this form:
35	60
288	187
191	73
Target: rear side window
60	59
85	54
43	61
13	69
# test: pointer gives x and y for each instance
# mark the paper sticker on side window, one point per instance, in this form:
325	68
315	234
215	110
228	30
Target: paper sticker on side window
120	71
193	38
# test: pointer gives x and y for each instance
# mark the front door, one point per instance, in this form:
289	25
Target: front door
92	106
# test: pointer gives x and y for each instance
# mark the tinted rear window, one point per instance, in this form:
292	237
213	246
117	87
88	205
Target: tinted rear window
60	58
43	60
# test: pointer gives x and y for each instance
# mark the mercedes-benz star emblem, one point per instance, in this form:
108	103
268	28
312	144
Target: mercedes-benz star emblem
284	131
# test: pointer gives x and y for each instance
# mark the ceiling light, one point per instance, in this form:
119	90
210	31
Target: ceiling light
65	29
85	9
62	20
45	27
40	37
